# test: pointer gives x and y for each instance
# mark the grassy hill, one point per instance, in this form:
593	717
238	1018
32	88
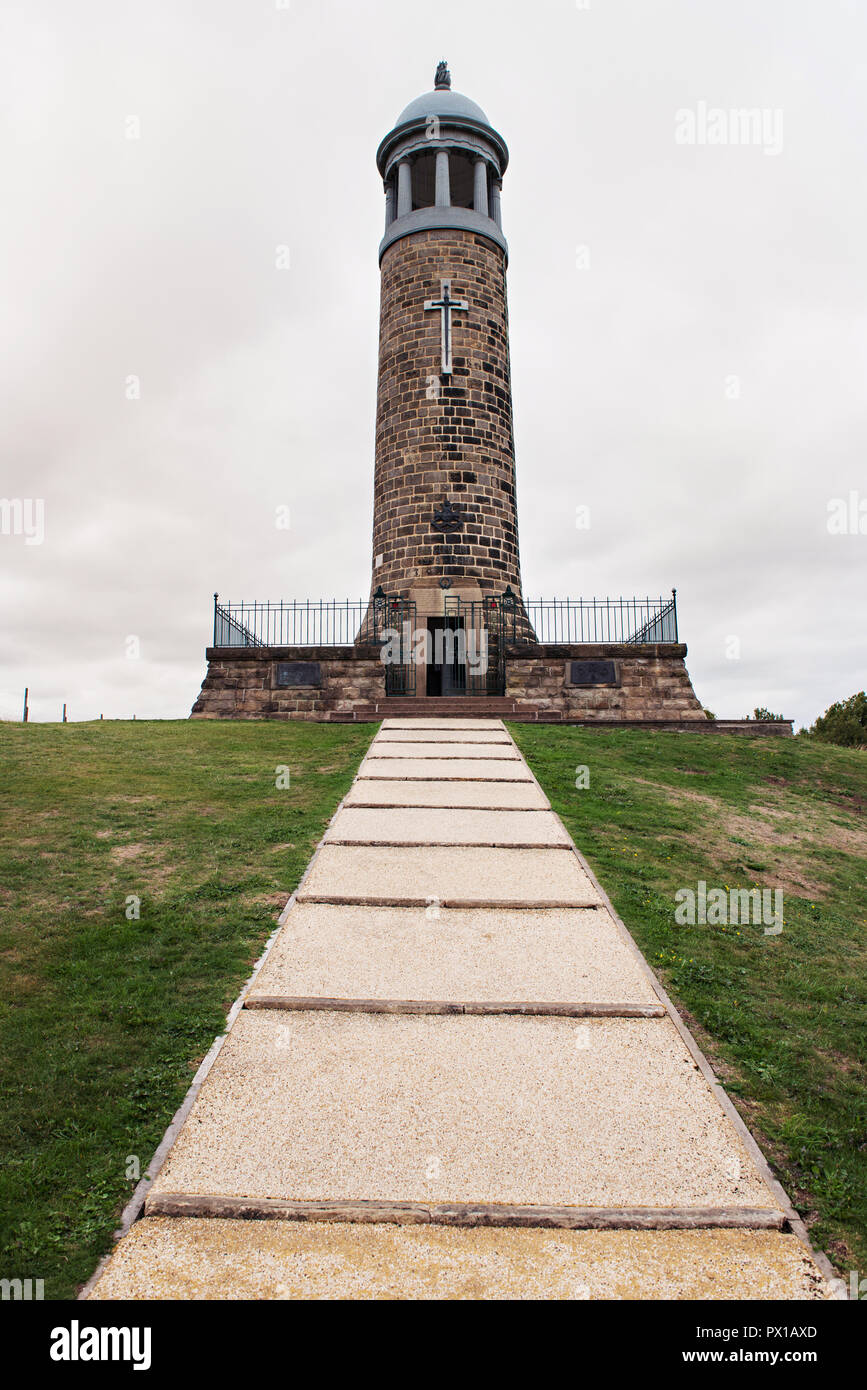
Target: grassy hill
104	1019
782	1018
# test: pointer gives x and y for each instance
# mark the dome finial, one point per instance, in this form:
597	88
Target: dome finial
443	79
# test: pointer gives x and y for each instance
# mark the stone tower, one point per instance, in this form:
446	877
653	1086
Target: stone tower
446	616
445	520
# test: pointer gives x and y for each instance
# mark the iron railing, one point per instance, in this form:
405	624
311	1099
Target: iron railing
593	620
296	623
310	622
335	623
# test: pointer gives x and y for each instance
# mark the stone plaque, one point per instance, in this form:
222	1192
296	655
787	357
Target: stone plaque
592	673
297	673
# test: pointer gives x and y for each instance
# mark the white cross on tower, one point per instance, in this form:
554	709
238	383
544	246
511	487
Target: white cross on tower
445	304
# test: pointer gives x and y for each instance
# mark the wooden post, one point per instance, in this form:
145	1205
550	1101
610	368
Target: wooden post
64	711
26	707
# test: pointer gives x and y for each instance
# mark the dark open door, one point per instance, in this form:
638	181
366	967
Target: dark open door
467	654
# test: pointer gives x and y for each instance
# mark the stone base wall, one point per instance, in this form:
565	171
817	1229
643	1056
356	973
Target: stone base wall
242	683
649	682
610	684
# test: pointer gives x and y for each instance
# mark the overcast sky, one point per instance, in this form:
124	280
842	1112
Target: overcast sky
688	321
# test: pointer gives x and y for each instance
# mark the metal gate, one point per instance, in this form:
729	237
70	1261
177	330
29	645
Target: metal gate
394	626
474	647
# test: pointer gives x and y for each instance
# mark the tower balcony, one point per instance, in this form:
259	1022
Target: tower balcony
426	219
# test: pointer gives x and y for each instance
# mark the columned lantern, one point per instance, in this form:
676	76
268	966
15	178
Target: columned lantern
442	166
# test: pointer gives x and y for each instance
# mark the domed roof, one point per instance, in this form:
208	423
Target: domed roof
442	101
408	135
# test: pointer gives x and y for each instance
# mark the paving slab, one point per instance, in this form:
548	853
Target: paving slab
419	826
164	1258
452	724
381	748
475	735
447	769
536	1111
459	876
499	796
452	953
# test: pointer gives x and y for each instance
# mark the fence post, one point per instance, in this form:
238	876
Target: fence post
215	618
674	607
26	706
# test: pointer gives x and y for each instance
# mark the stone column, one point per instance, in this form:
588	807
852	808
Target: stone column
443	191
389	203
404	188
480	189
495	210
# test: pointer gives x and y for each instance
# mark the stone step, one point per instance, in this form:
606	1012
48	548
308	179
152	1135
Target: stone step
540	1112
471	707
446	769
456	725
420	826
507	795
442	748
447	953
457	736
184	1258
458	877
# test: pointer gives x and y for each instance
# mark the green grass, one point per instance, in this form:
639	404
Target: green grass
104	1020
782	1018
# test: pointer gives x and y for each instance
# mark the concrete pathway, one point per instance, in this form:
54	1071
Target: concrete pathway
455	1077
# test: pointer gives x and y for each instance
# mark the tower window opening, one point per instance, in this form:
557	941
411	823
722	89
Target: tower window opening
424	181
462	175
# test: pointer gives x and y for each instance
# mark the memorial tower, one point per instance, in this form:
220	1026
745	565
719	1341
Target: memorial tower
445	522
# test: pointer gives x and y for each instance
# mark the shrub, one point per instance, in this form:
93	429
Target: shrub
844	723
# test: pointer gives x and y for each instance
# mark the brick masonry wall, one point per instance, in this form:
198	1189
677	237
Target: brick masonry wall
241	684
653	682
453	442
